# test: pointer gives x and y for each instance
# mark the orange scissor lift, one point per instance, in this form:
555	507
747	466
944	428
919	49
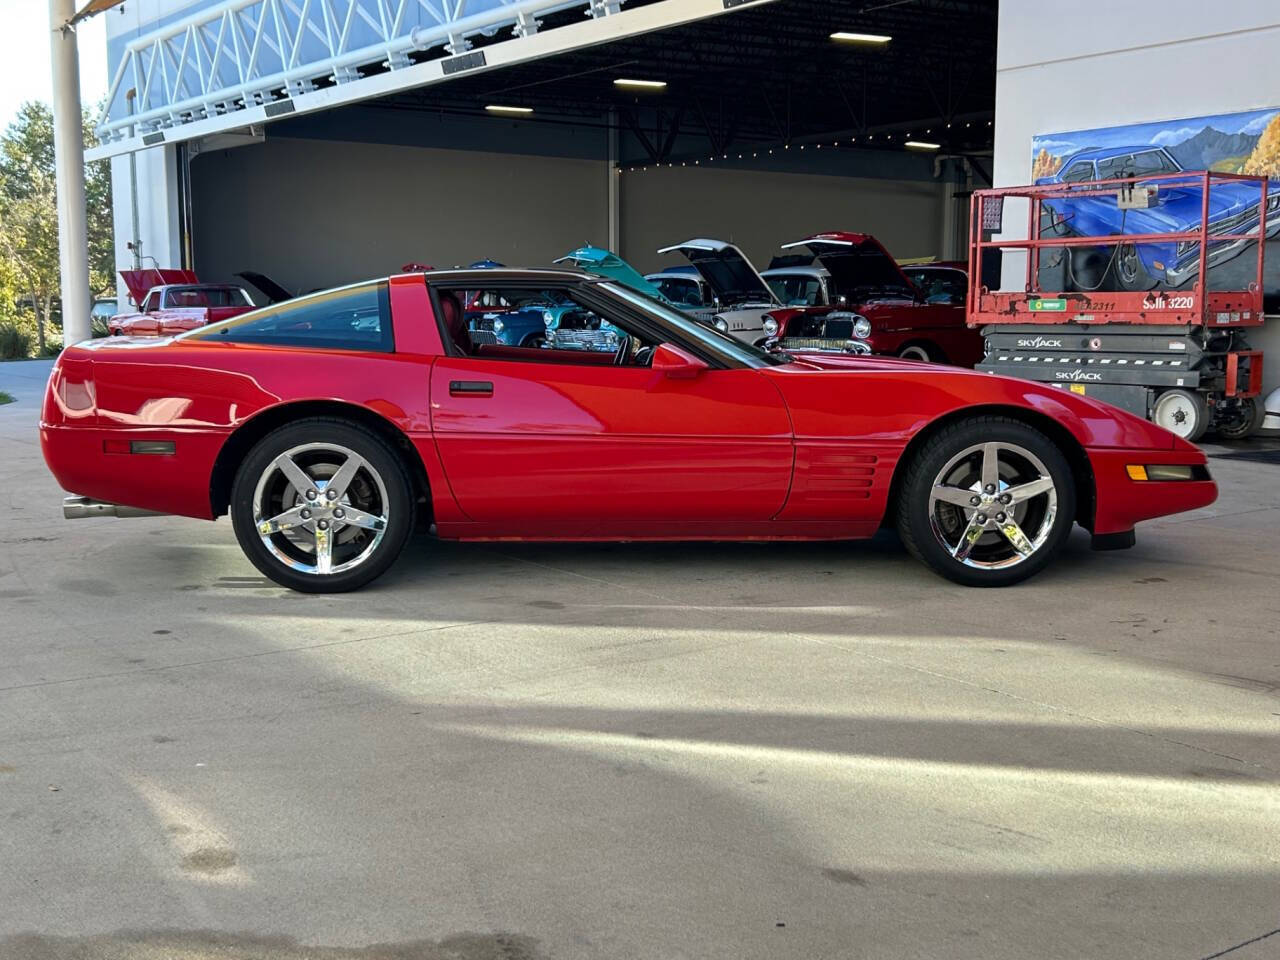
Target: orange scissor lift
1176	353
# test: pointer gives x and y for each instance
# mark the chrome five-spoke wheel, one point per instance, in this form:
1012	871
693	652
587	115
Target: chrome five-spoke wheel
993	505
320	508
987	501
322	505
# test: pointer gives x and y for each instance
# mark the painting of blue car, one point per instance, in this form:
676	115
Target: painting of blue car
1177	207
1242	143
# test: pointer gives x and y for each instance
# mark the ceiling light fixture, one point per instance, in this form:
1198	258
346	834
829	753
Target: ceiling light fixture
640	84
499	108
846	36
921	145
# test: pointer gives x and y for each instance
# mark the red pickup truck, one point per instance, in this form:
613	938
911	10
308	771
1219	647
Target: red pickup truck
877	309
171	301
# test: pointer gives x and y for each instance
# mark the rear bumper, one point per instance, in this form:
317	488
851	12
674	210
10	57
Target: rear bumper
176	483
1122	502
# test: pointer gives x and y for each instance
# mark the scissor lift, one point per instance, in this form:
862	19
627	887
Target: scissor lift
1178	356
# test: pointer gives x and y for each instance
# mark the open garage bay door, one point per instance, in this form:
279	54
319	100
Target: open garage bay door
242	62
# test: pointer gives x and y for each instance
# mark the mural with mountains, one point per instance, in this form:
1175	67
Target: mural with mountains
1247	142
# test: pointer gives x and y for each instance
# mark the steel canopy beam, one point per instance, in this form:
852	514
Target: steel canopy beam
247	62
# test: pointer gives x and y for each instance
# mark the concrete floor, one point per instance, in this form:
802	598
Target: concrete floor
614	752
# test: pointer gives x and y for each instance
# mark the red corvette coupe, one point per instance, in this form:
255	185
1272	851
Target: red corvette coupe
333	425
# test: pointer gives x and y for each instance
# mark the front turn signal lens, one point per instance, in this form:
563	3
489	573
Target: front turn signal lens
1164	471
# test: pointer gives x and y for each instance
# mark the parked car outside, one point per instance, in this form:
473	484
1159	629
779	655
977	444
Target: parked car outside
100	314
878	309
173	308
686	433
1177	206
171	301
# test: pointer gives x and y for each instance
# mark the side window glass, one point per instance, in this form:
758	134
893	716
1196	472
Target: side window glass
537	325
1079	172
150	303
350	318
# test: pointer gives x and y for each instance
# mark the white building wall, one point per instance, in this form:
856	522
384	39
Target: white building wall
1103	63
158	211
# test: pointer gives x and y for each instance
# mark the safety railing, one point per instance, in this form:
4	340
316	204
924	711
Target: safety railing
1162	275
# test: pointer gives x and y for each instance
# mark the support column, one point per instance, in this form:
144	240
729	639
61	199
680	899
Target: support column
615	188
68	147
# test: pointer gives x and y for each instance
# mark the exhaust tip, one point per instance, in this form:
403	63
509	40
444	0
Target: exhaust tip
78	508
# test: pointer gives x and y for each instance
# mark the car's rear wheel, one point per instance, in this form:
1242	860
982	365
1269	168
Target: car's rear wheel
1242	420
987	502
322	506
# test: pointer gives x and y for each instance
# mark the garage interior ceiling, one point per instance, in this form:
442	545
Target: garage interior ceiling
764	75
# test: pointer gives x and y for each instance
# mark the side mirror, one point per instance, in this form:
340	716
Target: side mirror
675	363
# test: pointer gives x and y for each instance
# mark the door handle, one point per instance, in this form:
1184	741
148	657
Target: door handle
470	388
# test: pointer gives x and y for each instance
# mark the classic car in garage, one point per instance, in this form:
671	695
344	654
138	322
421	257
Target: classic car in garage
741	298
684	287
332	426
879	310
1174	205
801	285
583	330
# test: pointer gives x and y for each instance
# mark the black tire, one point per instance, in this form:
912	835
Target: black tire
534	340
925	352
1244	421
371	551
921	521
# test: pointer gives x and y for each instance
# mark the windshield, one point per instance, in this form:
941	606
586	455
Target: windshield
1136	165
709	337
795	290
682	291
207	297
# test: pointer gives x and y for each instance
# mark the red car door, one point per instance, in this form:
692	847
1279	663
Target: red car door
586	443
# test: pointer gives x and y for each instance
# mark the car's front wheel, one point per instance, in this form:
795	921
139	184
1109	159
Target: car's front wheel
987	502
322	506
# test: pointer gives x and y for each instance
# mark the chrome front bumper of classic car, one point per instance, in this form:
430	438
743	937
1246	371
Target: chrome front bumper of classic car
601	341
819	345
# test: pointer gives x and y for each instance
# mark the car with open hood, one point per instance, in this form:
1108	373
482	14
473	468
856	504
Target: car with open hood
172	301
332	426
579	330
876	309
740	296
685	287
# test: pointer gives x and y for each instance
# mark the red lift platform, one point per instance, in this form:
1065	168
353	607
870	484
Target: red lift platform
1133	317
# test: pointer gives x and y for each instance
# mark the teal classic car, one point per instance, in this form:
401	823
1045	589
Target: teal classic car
574	330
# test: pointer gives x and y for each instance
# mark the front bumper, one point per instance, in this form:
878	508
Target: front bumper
1122	502
820	345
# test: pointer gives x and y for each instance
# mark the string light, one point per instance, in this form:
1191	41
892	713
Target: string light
835	145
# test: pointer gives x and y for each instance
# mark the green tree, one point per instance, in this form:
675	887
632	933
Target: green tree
29	217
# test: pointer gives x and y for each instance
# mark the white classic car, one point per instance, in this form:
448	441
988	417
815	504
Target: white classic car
741	298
